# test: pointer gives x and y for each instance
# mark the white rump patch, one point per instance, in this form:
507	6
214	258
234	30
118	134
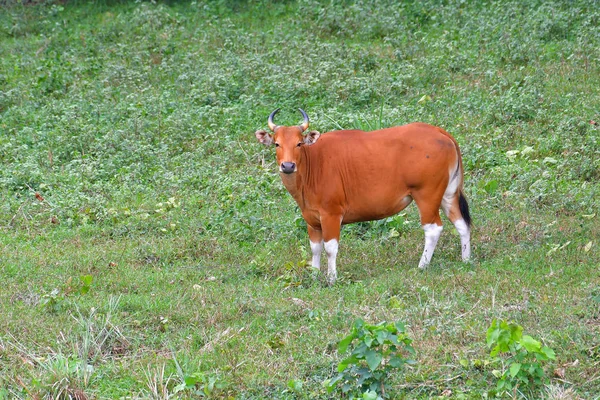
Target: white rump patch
451	189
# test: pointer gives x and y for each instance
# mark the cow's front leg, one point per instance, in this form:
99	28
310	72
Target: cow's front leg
316	245
331	225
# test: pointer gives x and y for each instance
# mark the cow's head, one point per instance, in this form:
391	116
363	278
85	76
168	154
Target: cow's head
288	141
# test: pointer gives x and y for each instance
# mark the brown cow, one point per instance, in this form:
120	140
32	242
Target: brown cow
349	176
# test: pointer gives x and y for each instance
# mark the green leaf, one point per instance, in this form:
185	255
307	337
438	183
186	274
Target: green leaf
514	369
364	375
516	332
548	352
396	361
424	99
530	344
494	352
370	395
211	385
344	343
491	186
191	380
382	336
331	383
360	350
373	359
492	333
401	328
358	324
179	388
86	279
84	290
295	385
345	362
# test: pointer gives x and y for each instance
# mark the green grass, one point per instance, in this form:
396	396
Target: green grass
134	122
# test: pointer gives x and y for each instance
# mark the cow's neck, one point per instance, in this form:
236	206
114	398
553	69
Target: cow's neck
294	183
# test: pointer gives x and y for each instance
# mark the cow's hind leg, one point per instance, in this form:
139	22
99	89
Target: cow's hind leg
456	209
429	210
331	225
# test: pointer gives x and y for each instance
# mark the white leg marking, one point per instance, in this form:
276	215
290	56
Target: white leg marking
465	238
432	234
316	248
331	248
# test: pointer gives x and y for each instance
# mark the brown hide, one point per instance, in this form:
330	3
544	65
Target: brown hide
350	176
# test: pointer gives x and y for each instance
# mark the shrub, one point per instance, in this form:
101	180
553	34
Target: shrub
520	357
375	352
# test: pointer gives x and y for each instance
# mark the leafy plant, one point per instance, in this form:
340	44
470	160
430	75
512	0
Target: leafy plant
375	352
294	386
55	300
299	274
521	357
197	383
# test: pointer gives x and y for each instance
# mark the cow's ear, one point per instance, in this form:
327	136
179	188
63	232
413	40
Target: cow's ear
311	137
264	137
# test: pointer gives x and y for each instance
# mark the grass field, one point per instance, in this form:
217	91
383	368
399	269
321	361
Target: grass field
146	241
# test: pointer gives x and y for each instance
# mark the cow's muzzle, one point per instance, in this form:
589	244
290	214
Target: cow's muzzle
288	167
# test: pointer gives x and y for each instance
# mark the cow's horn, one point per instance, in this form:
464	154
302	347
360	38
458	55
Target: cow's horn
304	125
272	125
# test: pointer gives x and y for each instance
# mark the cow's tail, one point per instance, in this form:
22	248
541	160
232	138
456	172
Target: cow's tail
463	205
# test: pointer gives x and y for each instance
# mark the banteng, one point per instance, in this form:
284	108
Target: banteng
349	176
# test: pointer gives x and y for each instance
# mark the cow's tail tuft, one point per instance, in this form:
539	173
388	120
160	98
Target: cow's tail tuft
464	208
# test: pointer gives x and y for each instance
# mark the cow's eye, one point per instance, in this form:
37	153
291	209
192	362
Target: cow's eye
299	144
276	144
